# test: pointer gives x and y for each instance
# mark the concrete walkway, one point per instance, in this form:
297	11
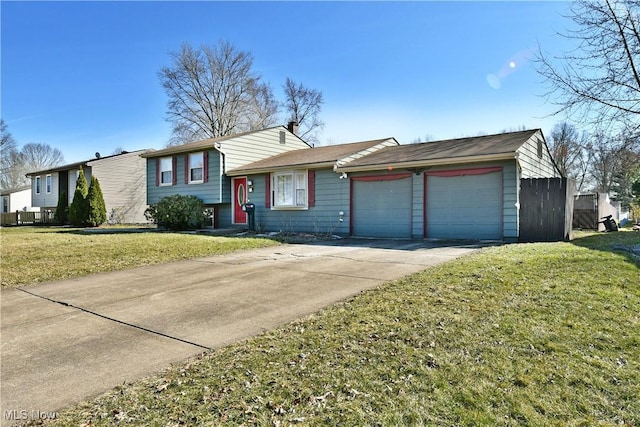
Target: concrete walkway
67	341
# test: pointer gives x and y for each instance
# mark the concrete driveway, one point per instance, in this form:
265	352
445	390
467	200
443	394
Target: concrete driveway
67	341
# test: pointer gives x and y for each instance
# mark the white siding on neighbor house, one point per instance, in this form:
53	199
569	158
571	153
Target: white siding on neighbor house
535	160
44	200
245	149
73	178
124	186
19	200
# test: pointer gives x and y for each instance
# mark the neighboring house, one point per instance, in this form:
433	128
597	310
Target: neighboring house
465	188
200	169
122	180
17	199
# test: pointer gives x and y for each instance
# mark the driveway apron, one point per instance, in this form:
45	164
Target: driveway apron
67	341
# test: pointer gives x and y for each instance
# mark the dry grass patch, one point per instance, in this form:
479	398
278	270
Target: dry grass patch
39	254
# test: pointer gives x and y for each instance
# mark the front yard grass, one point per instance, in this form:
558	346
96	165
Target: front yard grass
526	334
40	254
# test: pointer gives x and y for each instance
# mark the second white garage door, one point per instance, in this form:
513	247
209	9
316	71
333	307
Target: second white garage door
464	206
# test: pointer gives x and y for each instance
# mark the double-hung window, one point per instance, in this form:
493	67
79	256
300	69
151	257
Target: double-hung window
290	190
48	184
166	171
196	168
38	184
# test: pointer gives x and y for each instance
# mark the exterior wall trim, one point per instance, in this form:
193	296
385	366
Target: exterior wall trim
391	177
464	172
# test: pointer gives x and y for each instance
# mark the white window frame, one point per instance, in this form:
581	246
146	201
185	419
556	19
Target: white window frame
38	184
193	160
48	184
292	196
163	162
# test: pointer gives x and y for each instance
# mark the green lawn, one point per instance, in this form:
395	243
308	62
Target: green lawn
524	334
39	254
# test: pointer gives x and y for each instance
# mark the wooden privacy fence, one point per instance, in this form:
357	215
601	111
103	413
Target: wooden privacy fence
546	209
27	218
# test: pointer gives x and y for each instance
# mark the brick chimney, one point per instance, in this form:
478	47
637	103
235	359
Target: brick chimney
293	127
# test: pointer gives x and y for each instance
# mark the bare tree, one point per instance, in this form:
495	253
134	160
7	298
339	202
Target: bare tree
31	158
214	91
12	175
568	150
38	156
427	138
600	79
6	139
303	106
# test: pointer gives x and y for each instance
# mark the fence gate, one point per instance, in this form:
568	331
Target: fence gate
585	212
546	209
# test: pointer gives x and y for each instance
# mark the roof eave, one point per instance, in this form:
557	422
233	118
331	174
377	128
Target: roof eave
70	166
428	162
180	150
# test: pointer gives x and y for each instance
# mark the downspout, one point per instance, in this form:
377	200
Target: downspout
223	169
518	178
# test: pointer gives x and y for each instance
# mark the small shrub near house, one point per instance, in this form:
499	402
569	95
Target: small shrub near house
87	208
62	209
78	208
177	212
96	209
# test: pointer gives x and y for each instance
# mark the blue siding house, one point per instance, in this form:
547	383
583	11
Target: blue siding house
200	169
466	188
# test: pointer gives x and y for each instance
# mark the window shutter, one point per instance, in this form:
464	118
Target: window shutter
267	191
186	168
174	170
205	166
157	171
311	177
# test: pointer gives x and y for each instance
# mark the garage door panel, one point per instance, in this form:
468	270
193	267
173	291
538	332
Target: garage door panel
465	207
382	208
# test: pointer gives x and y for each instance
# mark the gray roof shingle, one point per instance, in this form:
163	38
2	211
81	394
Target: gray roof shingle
454	149
320	156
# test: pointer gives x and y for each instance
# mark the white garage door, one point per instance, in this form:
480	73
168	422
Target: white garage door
382	208
465	206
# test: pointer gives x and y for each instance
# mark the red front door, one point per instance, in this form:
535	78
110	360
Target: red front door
239	197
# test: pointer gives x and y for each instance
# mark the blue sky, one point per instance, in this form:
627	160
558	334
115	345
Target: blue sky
82	76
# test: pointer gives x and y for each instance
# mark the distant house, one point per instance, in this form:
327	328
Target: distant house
200	169
465	188
17	199
122	180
